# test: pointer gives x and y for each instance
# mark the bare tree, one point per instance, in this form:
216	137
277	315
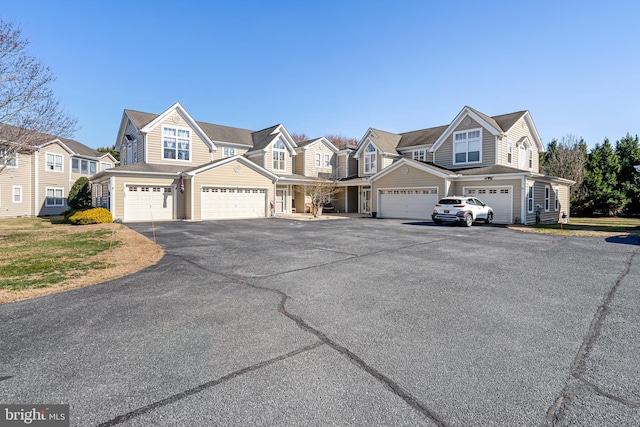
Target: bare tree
319	193
28	107
298	137
342	141
566	159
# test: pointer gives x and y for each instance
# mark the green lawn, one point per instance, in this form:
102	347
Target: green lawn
38	252
587	225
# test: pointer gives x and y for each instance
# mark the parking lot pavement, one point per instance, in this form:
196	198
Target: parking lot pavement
351	322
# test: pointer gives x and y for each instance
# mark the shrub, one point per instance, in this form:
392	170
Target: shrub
91	216
80	194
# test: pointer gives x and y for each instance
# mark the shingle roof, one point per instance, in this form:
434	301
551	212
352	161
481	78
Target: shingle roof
262	138
386	141
39	138
307	142
152	168
506	121
214	132
421	137
488	170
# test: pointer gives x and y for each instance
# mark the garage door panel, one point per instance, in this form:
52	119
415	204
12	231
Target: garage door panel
499	198
229	203
410	203
148	203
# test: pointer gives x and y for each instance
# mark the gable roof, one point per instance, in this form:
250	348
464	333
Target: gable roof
263	138
238	158
426	167
321	140
421	137
41	140
382	140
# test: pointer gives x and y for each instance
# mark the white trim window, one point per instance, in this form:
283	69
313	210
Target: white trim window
547	198
176	144
279	156
467	146
317	160
55	197
228	152
327	160
556	191
370	159
54	162
530	198
7	159
134	158
530	158
105	166
17	194
420	155
521	154
509	152
85	167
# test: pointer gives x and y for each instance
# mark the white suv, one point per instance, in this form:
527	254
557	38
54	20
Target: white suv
461	209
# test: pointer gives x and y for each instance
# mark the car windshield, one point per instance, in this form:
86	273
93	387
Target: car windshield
450	201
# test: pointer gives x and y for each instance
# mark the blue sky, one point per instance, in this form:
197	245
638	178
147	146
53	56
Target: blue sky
342	66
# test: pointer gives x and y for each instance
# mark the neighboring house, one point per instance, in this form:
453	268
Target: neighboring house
36	182
174	167
492	158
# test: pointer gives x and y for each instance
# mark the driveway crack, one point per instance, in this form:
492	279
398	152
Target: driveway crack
555	411
184	394
411	400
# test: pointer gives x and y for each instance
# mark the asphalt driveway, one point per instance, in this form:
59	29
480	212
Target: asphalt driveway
349	322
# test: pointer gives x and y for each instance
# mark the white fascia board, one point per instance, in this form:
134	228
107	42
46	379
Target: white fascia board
235	144
414	148
412	163
367	136
248	163
321	140
60	143
190	121
281	130
123	127
496	177
368	141
454	124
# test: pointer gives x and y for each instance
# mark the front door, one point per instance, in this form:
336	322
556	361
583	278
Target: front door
366	201
281	196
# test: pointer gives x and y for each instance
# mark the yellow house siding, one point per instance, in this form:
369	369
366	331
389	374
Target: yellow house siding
20	176
52	179
298	163
122	181
227	176
309	157
219	153
288	162
444	155
521	129
412	179
516	192
199	150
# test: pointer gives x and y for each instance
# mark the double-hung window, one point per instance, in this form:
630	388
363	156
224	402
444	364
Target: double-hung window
105	166
467	146
419	155
547	198
317	160
176	143
55	197
530	199
228	152
8	159
54	162
278	156
327	160
509	152
530	158
370	159
17	194
556	192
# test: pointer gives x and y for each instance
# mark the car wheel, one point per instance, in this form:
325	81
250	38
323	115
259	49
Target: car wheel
437	221
489	219
468	220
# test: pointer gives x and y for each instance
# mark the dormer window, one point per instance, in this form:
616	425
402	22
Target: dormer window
279	156
467	146
370	159
420	155
176	144
228	152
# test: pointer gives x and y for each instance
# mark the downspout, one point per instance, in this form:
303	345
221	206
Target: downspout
36	187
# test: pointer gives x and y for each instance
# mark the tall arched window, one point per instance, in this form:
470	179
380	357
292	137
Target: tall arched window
278	156
370	159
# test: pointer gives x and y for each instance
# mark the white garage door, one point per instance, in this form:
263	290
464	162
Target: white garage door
145	203
413	203
499	198
228	203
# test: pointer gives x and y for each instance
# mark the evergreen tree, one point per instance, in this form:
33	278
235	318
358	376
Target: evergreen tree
110	150
80	194
628	151
567	159
601	180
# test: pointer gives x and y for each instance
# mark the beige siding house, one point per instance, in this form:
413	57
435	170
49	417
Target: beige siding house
174	167
36	182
